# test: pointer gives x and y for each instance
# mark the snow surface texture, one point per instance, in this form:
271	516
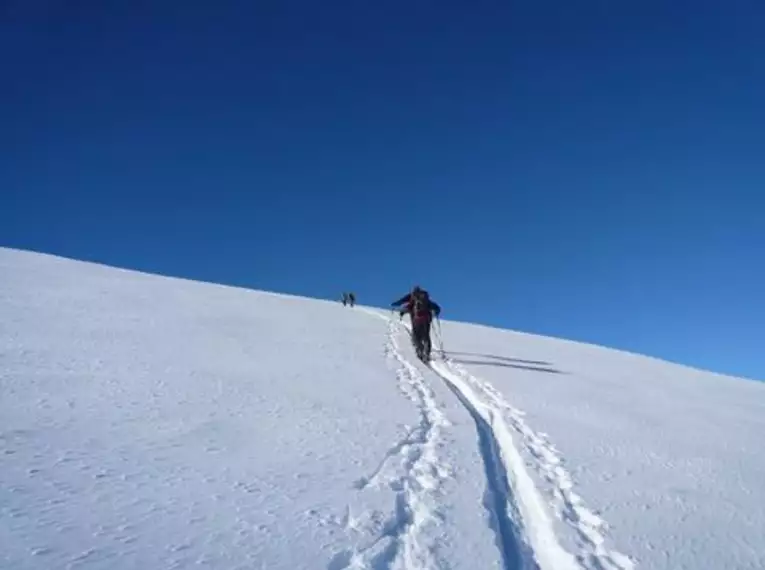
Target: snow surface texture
162	423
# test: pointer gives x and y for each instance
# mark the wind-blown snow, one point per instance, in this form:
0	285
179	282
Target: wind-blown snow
161	423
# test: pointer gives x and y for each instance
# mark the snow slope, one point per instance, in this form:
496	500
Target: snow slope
161	423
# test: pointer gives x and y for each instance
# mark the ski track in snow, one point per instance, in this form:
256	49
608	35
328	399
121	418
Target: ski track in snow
510	484
518	516
401	541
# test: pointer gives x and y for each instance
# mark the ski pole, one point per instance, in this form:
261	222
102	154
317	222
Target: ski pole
440	336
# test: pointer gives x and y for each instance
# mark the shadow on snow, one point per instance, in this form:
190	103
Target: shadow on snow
501	361
510	359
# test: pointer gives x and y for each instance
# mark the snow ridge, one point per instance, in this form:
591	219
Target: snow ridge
590	528
498	500
402	542
520	504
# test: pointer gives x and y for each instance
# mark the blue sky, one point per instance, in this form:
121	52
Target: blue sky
585	169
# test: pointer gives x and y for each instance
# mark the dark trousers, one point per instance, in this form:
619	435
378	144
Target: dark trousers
421	335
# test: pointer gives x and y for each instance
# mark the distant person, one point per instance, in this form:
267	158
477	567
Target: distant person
421	310
352	299
345	299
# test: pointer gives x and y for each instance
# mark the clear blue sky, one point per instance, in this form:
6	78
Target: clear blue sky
586	169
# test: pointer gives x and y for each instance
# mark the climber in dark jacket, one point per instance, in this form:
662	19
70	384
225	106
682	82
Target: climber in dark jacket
421	310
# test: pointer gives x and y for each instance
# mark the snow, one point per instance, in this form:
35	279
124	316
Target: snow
163	423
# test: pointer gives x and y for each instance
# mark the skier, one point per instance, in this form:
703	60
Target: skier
352	299
421	310
345	299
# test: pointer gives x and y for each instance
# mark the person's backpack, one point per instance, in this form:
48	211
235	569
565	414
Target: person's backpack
419	305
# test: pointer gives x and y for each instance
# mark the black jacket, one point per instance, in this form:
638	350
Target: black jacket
433	307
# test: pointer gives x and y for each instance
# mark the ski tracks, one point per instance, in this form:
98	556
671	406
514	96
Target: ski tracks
497	421
402	540
516	510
